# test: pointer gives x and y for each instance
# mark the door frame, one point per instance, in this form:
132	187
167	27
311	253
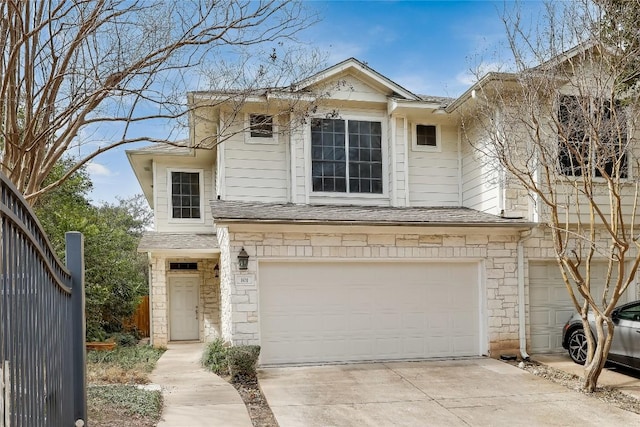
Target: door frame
178	275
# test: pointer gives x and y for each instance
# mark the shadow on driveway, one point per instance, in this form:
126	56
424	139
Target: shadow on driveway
465	392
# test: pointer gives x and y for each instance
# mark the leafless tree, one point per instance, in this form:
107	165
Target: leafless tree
563	129
72	70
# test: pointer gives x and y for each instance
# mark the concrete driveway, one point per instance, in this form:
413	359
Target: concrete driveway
469	392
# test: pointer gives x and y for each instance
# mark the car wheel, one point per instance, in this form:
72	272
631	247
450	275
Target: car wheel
578	346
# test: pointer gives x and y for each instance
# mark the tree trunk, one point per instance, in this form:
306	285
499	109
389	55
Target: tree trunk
592	372
593	368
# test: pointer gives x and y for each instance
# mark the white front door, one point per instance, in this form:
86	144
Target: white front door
184	307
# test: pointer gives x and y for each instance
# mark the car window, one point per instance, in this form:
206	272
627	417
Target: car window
630	313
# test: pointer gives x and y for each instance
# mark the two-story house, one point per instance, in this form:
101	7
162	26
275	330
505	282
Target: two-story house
365	228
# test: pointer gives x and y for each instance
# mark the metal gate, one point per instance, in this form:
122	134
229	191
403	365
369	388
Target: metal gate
42	339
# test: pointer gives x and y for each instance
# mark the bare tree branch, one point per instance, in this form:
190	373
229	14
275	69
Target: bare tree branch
563	128
72	65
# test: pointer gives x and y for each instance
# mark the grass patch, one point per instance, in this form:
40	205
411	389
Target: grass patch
112	395
123	365
107	403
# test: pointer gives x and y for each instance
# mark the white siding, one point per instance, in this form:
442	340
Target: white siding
401	164
480	186
298	143
433	175
163	221
256	172
347	87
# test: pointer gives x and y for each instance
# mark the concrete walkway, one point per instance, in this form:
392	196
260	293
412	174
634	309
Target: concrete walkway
627	384
194	397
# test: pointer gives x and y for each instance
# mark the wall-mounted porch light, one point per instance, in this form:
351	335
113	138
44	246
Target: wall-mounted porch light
243	259
216	271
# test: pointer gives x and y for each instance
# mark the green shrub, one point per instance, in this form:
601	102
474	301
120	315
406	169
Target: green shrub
214	357
243	360
123	339
95	332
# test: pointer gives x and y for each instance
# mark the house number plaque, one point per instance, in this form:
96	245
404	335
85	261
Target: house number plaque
245	280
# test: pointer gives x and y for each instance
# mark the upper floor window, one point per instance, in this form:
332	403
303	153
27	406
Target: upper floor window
185	195
426	135
261	126
346	156
262	129
592	137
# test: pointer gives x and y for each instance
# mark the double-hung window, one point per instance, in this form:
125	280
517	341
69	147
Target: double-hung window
592	137
186	200
346	156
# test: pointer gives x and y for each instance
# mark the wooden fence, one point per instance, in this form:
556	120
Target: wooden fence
140	319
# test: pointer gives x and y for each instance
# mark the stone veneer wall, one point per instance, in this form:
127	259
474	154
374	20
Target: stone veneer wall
159	305
497	250
227	287
209	299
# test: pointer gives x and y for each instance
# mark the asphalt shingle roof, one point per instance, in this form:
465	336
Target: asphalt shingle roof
442	100
153	241
233	211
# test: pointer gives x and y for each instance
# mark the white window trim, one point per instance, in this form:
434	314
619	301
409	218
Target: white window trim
427	148
597	179
331	197
170	218
248	139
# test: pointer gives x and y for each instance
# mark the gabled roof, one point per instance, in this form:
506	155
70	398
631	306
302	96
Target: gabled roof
141	159
567	55
275	213
353	64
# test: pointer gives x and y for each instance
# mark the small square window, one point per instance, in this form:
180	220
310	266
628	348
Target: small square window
426	136
261	126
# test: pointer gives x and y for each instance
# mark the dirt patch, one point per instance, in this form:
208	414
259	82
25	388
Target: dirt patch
259	410
606	394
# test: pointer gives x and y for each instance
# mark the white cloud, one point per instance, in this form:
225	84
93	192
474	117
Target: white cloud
96	169
472	75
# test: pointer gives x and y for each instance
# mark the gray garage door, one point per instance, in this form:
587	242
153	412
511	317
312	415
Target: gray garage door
550	305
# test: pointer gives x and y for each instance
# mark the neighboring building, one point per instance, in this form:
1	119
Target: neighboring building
373	230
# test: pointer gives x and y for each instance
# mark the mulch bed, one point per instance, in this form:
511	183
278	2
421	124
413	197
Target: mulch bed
259	410
606	394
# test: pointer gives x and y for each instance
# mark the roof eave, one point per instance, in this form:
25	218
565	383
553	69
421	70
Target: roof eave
470	93
522	225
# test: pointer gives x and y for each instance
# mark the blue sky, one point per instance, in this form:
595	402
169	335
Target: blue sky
429	47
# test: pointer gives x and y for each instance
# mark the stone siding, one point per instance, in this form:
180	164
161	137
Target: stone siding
208	301
159	306
226	285
498	251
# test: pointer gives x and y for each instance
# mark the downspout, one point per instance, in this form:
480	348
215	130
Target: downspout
522	326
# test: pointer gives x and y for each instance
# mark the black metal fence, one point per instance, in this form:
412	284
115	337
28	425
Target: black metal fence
42	342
